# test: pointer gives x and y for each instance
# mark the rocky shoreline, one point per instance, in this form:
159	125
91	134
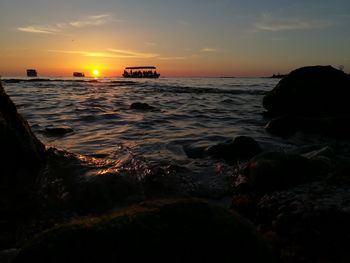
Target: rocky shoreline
286	206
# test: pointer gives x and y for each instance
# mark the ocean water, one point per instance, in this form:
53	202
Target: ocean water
190	114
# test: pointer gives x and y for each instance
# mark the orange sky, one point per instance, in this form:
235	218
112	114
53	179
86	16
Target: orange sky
180	38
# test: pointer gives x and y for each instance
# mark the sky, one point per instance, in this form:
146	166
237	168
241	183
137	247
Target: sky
181	38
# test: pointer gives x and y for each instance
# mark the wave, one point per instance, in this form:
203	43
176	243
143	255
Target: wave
205	90
15	80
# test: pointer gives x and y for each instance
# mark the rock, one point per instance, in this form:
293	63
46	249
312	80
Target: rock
312	221
22	158
7	255
319	153
274	171
182	230
327	125
244	205
283	126
22	154
310	91
141	106
241	148
57	131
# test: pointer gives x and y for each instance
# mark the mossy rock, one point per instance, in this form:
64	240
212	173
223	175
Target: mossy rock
273	171
182	230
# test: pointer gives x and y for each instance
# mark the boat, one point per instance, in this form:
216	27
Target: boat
32	73
78	74
141	72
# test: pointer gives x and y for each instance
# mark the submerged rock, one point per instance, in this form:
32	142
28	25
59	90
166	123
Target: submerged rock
57	131
241	148
185	230
141	106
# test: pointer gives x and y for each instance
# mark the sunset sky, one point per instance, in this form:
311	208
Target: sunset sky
181	38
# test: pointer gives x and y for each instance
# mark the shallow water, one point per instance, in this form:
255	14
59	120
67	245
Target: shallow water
189	111
190	114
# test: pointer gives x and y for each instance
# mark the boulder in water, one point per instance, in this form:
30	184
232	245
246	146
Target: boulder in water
315	90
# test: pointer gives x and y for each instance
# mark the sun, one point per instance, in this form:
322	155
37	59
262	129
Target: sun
96	72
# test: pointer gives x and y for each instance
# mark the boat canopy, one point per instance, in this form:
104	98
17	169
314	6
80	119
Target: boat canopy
146	67
141	72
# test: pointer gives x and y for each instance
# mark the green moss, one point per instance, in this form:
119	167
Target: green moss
185	230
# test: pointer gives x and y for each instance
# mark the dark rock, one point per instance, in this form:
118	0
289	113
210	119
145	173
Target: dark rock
316	90
22	158
194	152
141	106
274	171
6	256
244	204
22	154
312	221
241	148
57	131
327	125
283	126
160	231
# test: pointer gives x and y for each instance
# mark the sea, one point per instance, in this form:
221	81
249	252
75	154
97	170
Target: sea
189	115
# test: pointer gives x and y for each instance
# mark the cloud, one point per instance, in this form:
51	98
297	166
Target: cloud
173	58
85	53
95	20
132	54
111	53
207	49
38	29
268	23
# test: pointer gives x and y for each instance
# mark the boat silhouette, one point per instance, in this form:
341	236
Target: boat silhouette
78	74
32	73
141	72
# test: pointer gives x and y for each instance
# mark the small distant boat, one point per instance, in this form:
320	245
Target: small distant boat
32	73
141	72
78	74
